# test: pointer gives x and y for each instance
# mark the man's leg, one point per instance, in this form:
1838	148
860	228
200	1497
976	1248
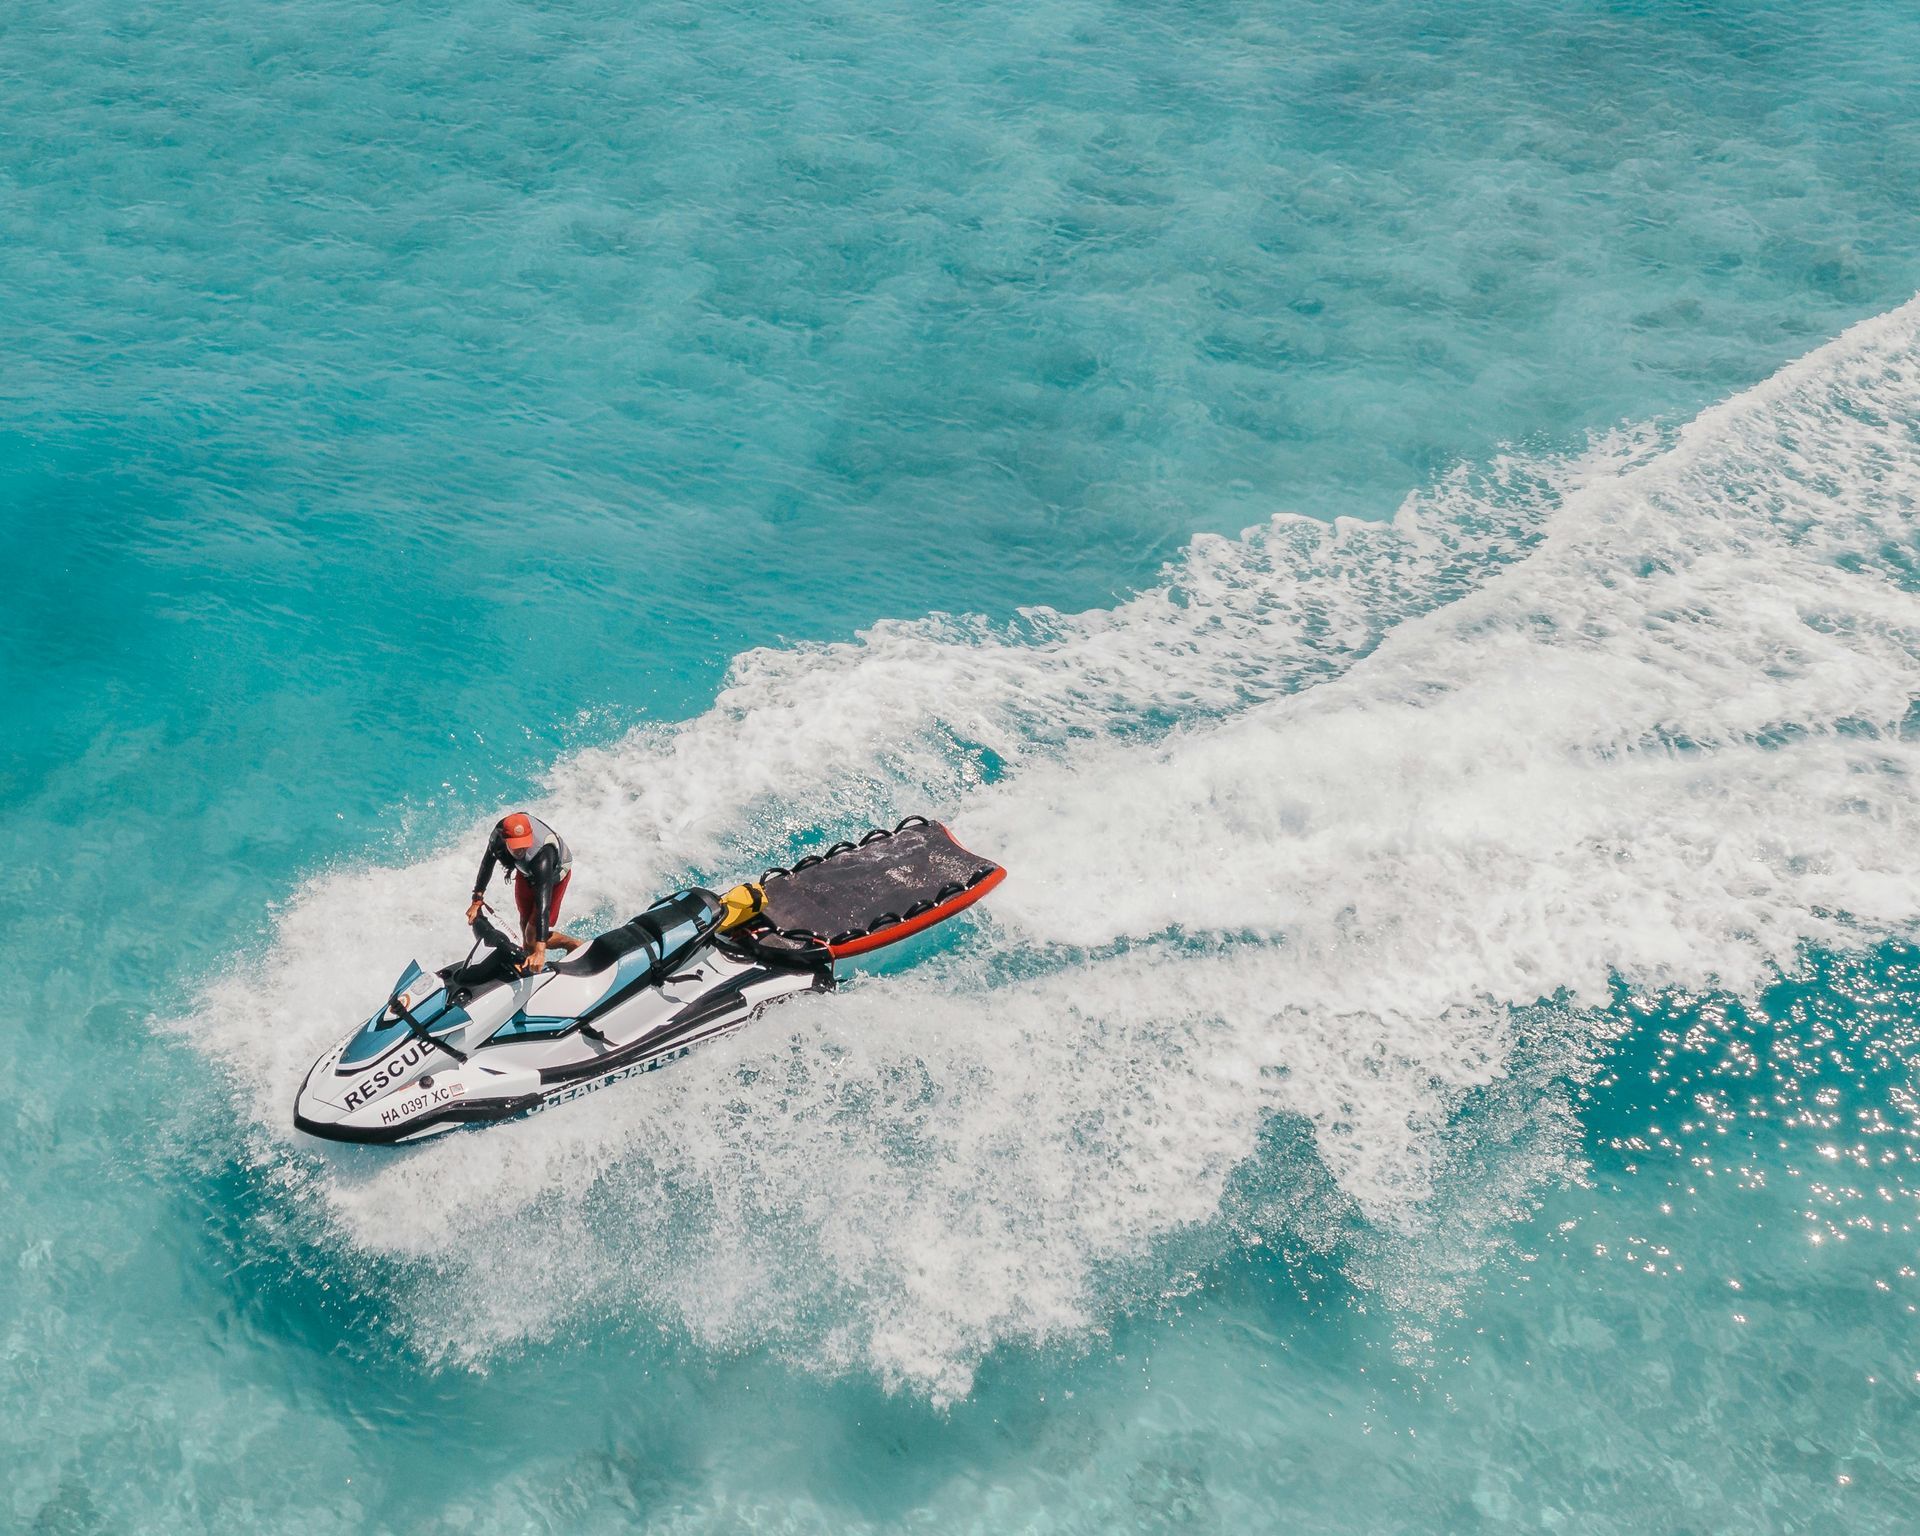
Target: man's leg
565	941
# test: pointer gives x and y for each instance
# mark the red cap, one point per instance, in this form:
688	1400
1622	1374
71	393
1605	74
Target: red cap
518	830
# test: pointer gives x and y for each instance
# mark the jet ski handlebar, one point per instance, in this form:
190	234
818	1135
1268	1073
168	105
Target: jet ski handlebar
486	933
400	1010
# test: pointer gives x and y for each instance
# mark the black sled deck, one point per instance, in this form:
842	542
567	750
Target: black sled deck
858	896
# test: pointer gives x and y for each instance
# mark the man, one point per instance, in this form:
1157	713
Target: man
542	865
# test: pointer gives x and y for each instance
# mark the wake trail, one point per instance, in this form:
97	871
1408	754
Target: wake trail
1349	827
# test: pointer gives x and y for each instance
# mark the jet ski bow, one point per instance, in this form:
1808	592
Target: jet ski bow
481	1040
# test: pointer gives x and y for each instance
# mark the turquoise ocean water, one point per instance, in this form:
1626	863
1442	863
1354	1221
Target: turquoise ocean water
1396	523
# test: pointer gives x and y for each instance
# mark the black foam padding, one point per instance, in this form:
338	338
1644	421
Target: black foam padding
881	881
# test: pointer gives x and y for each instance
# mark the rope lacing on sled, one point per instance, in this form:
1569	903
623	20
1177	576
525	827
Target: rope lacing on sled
884	920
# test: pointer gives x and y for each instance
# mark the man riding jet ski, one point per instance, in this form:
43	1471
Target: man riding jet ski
542	864
494	1036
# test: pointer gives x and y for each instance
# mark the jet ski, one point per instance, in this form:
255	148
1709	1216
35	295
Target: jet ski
483	1040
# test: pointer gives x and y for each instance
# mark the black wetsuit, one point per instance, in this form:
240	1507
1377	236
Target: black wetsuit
544	866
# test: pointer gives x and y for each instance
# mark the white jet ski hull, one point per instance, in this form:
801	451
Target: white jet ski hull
452	1054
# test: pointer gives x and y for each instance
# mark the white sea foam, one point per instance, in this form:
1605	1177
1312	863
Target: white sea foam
1291	836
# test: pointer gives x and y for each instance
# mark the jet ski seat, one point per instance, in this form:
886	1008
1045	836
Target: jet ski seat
670	930
606	949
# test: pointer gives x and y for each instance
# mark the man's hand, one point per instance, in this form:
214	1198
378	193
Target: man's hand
536	958
474	911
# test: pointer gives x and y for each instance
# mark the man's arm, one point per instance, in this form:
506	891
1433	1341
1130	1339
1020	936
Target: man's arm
543	883
482	880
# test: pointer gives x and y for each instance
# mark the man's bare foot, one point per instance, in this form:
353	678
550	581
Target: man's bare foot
564	941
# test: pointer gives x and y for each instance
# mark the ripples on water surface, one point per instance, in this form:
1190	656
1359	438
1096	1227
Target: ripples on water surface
1485	1096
